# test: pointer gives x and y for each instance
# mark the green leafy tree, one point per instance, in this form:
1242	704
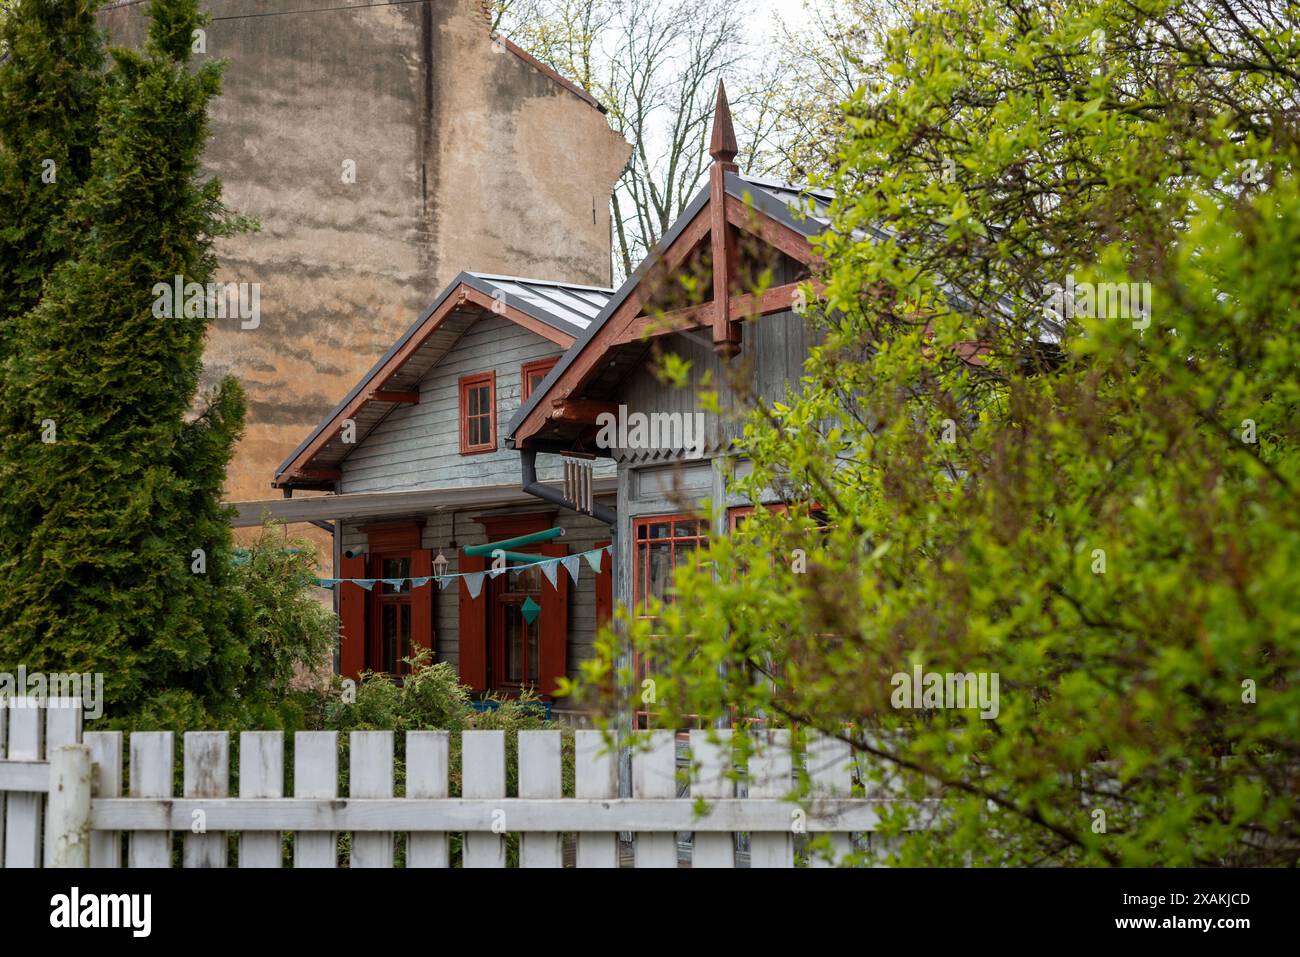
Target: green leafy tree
289	634
1092	498
117	550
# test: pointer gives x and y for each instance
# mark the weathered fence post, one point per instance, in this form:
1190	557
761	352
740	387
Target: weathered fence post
595	776
67	819
23	810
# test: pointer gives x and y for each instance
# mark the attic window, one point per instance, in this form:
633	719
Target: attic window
531	375
478	431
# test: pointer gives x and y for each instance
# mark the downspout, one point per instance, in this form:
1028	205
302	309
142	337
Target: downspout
336	550
528	468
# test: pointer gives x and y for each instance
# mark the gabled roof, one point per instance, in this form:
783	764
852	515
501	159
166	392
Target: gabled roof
566	306
797	212
556	311
803	208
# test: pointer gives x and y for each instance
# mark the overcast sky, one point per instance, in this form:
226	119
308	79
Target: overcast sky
763	19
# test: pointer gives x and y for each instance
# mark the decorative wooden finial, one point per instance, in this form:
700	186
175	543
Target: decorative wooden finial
722	145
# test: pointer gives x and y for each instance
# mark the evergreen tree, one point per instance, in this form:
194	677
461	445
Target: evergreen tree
125	563
50	84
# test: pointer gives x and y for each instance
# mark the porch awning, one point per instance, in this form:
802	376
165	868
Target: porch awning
363	505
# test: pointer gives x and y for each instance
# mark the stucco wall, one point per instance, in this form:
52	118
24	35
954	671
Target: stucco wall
466	158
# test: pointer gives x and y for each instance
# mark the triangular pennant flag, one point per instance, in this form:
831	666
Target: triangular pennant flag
610	548
420	582
495	572
366	583
550	569
474	583
530	610
571	565
326	582
445	580
394	583
593	559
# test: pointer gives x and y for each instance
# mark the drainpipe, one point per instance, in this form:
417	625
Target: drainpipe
336	550
528	468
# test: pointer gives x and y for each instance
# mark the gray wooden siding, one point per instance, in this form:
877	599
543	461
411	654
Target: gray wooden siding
659	482
417	446
581	534
773	352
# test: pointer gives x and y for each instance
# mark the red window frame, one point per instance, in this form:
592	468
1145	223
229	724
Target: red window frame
641	562
537	369
474	382
734	515
739	512
641	571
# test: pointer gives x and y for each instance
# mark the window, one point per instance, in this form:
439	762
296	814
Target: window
662	544
516	649
393	614
531	375
736	516
478	431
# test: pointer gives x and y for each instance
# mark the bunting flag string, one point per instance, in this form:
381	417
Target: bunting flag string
474	580
473	583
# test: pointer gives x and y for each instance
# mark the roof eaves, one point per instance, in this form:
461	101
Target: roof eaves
753	192
473	280
374	370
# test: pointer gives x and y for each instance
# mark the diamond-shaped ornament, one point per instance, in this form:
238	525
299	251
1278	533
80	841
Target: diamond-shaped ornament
530	610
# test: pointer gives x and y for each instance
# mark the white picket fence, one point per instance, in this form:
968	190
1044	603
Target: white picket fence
63	803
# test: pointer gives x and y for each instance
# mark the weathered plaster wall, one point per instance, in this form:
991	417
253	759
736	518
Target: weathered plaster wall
466	158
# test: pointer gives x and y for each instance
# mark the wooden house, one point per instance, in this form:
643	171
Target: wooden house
567	367
417	441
